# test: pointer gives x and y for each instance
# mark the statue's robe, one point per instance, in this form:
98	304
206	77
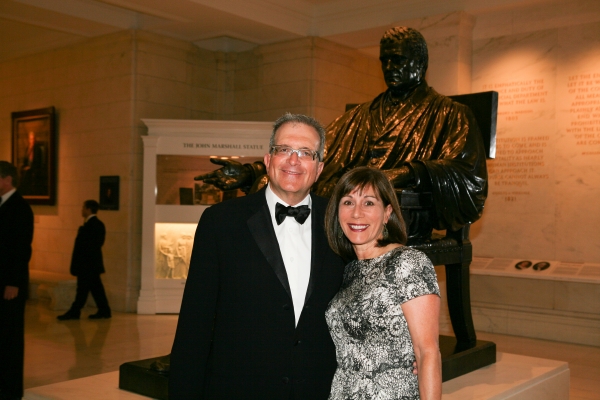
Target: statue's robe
434	136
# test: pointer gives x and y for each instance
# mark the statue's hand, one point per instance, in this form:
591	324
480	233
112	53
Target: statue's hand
233	175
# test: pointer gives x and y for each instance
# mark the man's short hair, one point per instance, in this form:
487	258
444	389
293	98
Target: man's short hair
91	205
300	119
8	169
413	37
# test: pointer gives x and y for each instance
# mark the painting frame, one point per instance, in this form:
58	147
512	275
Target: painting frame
34	154
109	193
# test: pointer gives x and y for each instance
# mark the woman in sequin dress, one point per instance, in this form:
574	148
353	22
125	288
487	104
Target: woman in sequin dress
385	315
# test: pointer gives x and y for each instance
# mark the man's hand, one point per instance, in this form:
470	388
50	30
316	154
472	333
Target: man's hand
10	292
233	175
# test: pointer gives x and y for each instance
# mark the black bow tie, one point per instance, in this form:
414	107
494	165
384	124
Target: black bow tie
300	213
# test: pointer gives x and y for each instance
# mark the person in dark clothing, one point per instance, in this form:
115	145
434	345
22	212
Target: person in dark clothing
87	264
16	234
252	321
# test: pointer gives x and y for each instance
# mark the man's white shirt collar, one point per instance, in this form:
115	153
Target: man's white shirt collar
295	244
7	195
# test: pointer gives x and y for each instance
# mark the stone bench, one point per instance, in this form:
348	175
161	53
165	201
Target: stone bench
58	288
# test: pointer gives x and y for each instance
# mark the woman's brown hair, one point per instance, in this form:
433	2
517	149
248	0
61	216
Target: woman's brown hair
361	178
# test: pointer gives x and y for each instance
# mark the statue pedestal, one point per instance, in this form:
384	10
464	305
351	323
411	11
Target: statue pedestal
457	361
138	377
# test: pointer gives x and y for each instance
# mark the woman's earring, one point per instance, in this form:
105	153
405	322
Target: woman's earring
385	231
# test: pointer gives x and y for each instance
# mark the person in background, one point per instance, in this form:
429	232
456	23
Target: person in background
87	265
16	235
385	315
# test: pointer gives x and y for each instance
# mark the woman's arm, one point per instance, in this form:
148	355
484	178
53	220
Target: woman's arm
422	316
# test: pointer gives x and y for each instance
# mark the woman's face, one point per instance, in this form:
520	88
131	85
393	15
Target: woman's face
362	215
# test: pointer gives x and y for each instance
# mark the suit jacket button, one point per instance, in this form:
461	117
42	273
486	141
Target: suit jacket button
285	380
298	342
286	307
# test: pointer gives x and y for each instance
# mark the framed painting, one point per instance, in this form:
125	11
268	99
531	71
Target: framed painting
109	193
34	154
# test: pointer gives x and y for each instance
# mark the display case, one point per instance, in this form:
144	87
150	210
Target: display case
176	151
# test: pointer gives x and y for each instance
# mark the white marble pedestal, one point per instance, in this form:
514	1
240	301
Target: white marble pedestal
512	377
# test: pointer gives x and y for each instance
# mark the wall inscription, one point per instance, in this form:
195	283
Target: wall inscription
517	98
583	114
520	160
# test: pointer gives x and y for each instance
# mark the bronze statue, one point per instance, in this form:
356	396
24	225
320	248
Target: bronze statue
424	141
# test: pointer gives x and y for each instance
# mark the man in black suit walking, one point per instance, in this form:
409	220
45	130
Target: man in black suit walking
252	323
16	234
87	264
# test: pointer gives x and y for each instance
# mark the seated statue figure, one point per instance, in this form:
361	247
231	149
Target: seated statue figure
424	141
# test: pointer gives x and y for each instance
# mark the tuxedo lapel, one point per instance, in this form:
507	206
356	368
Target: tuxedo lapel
4	207
7	205
261	228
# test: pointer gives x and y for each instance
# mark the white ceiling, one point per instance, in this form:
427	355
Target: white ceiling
29	26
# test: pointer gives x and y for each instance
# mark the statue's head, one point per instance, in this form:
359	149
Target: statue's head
404	58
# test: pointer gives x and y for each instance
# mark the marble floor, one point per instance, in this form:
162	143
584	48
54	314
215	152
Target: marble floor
59	351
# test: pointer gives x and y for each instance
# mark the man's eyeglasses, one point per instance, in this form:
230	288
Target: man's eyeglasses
287	151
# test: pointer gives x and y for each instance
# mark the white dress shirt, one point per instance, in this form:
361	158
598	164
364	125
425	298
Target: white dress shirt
295	244
7	195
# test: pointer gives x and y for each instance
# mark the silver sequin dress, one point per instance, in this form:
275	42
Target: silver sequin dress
373	345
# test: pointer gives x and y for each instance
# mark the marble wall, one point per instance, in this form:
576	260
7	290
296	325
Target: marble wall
89	84
103	87
545	179
546	175
310	76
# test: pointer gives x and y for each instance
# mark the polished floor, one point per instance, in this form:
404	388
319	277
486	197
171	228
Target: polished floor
59	351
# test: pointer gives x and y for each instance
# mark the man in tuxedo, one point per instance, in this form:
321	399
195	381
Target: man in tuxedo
16	234
87	264
252	322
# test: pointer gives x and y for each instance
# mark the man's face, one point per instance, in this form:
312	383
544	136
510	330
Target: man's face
290	177
85	212
5	184
401	69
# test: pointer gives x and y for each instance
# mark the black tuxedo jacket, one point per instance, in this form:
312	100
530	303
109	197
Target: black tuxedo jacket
236	337
16	234
87	252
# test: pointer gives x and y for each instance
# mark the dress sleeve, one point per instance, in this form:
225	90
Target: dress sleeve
415	275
